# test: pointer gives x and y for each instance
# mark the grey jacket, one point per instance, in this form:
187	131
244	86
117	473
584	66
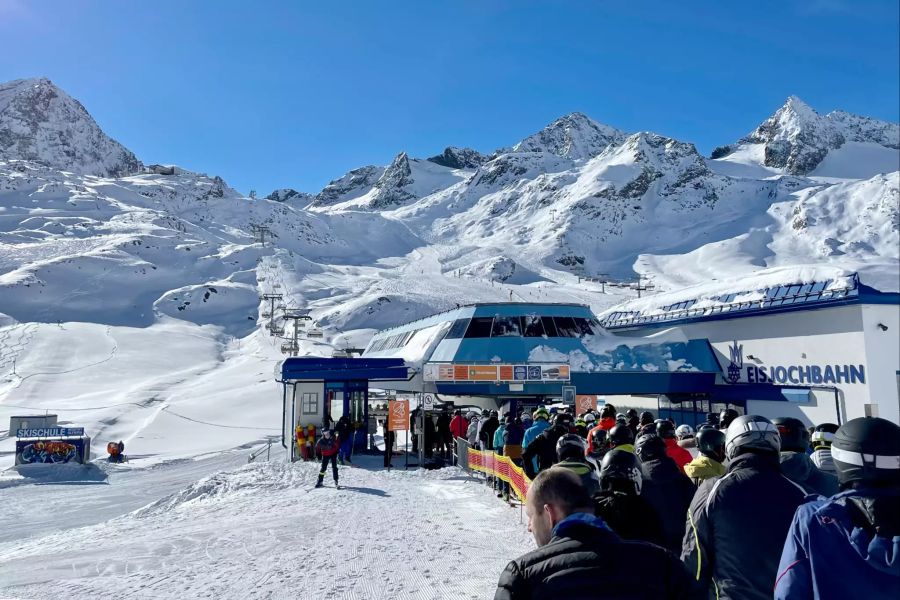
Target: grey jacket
798	467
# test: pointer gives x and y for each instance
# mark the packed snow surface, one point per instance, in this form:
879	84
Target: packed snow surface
259	531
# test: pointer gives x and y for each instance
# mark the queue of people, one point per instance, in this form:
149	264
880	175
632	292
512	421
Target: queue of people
741	508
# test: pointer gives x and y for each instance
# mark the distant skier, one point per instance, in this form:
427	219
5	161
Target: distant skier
328	446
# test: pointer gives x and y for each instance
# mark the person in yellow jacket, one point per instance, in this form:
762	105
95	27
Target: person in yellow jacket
711	444
300	438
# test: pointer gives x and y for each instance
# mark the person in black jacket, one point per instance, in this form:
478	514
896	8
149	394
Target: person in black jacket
444	440
737	523
666	488
620	503
580	557
543	447
487	430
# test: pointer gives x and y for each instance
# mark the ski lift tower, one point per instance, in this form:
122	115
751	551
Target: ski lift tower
297	315
271	298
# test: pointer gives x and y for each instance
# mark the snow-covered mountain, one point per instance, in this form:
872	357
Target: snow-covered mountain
41	123
131	262
797	140
575	136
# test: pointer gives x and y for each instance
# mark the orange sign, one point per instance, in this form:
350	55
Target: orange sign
584	403
506	372
483	372
398	415
460	372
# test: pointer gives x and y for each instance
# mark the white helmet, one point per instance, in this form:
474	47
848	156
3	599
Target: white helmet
589	418
684	431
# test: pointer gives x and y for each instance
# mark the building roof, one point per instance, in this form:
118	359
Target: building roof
752	301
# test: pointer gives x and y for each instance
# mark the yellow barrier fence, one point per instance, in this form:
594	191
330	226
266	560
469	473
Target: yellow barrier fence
501	467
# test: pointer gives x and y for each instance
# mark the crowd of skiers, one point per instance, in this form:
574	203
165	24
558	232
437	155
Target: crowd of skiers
625	505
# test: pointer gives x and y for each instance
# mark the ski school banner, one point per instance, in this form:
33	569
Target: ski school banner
502	467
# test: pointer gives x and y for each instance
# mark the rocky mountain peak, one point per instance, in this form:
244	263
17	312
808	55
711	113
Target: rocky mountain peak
355	183
575	136
459	158
41	123
290	195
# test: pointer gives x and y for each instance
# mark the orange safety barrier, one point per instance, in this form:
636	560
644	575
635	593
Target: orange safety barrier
501	467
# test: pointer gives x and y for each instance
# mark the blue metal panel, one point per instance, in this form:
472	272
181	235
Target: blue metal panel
343	369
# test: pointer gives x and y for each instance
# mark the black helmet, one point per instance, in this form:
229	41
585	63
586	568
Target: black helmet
631	413
823	435
608	411
650	447
726	417
620	465
711	442
794	435
620	434
712	418
570	446
665	429
598	438
646	428
457	412
867	450
646	417
751	432
494	413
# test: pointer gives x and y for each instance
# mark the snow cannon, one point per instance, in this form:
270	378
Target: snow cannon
116	451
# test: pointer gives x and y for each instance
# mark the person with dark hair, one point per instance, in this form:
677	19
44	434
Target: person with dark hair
579	556
487	429
821	439
737	523
710	462
846	546
619	501
796	463
666	488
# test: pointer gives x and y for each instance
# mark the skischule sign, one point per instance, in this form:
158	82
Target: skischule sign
809	374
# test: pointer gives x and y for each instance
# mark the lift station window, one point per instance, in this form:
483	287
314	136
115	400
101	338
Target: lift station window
533	326
480	327
507	327
458	329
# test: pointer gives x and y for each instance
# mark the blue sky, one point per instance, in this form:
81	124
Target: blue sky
294	94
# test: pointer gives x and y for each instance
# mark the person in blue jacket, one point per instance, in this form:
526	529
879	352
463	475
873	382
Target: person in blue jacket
541	422
848	546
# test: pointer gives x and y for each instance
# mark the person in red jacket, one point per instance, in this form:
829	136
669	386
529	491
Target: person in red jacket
459	426
607	422
328	446
666	430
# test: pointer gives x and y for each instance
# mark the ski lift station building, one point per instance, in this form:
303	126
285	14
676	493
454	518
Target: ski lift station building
822	350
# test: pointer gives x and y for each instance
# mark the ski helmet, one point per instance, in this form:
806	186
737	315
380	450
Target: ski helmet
646	417
619	435
711	442
867	450
726	417
589	419
494	413
684	432
598	438
620	416
608	412
751	432
541	413
794	435
620	465
650	447
570	446
823	435
631	413
665	429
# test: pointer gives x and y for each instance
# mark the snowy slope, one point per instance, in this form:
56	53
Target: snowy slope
259	532
40	122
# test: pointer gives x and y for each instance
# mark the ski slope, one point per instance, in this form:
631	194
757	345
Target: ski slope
261	531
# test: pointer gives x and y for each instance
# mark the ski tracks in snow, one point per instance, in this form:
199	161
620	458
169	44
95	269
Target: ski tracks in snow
254	533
